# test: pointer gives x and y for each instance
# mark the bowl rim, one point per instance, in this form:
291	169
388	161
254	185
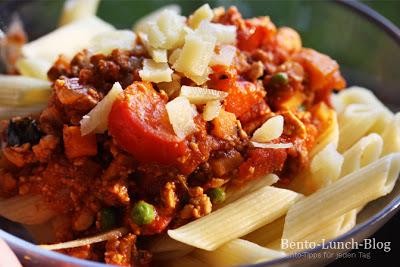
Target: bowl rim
388	211
373	16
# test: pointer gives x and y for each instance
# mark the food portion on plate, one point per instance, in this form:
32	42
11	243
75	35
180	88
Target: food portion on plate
203	140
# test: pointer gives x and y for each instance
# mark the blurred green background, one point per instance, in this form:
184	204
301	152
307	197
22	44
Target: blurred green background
389	8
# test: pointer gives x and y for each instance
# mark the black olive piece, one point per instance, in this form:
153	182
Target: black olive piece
21	131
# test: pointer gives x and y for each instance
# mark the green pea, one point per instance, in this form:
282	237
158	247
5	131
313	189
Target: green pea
302	108
107	219
280	78
217	195
143	213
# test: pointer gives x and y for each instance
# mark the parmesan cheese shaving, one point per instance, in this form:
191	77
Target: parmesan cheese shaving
272	146
166	30
140	24
202	13
211	110
225	56
113	234
59	41
155	72
97	119
195	55
199	95
106	42
225	34
158	55
181	114
174	56
270	130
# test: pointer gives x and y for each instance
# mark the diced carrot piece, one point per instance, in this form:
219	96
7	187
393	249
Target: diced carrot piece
222	78
138	122
225	126
76	145
322	70
242	99
254	33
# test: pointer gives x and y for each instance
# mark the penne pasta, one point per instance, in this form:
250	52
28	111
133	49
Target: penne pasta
237	219
16	90
329	135
359	95
327	231
268	233
28	209
51	45
233	193
355	122
391	136
365	151
165	248
33	67
236	252
324	169
42	233
78	9
352	191
8	112
356	95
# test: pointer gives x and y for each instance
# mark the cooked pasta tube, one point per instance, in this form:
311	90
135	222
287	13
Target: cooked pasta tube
165	248
391	136
27	209
51	45
236	252
78	9
330	230
359	95
268	233
352	191
324	169
233	193
8	112
355	122
16	90
326	166
33	67
42	233
365	151
329	135
236	219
